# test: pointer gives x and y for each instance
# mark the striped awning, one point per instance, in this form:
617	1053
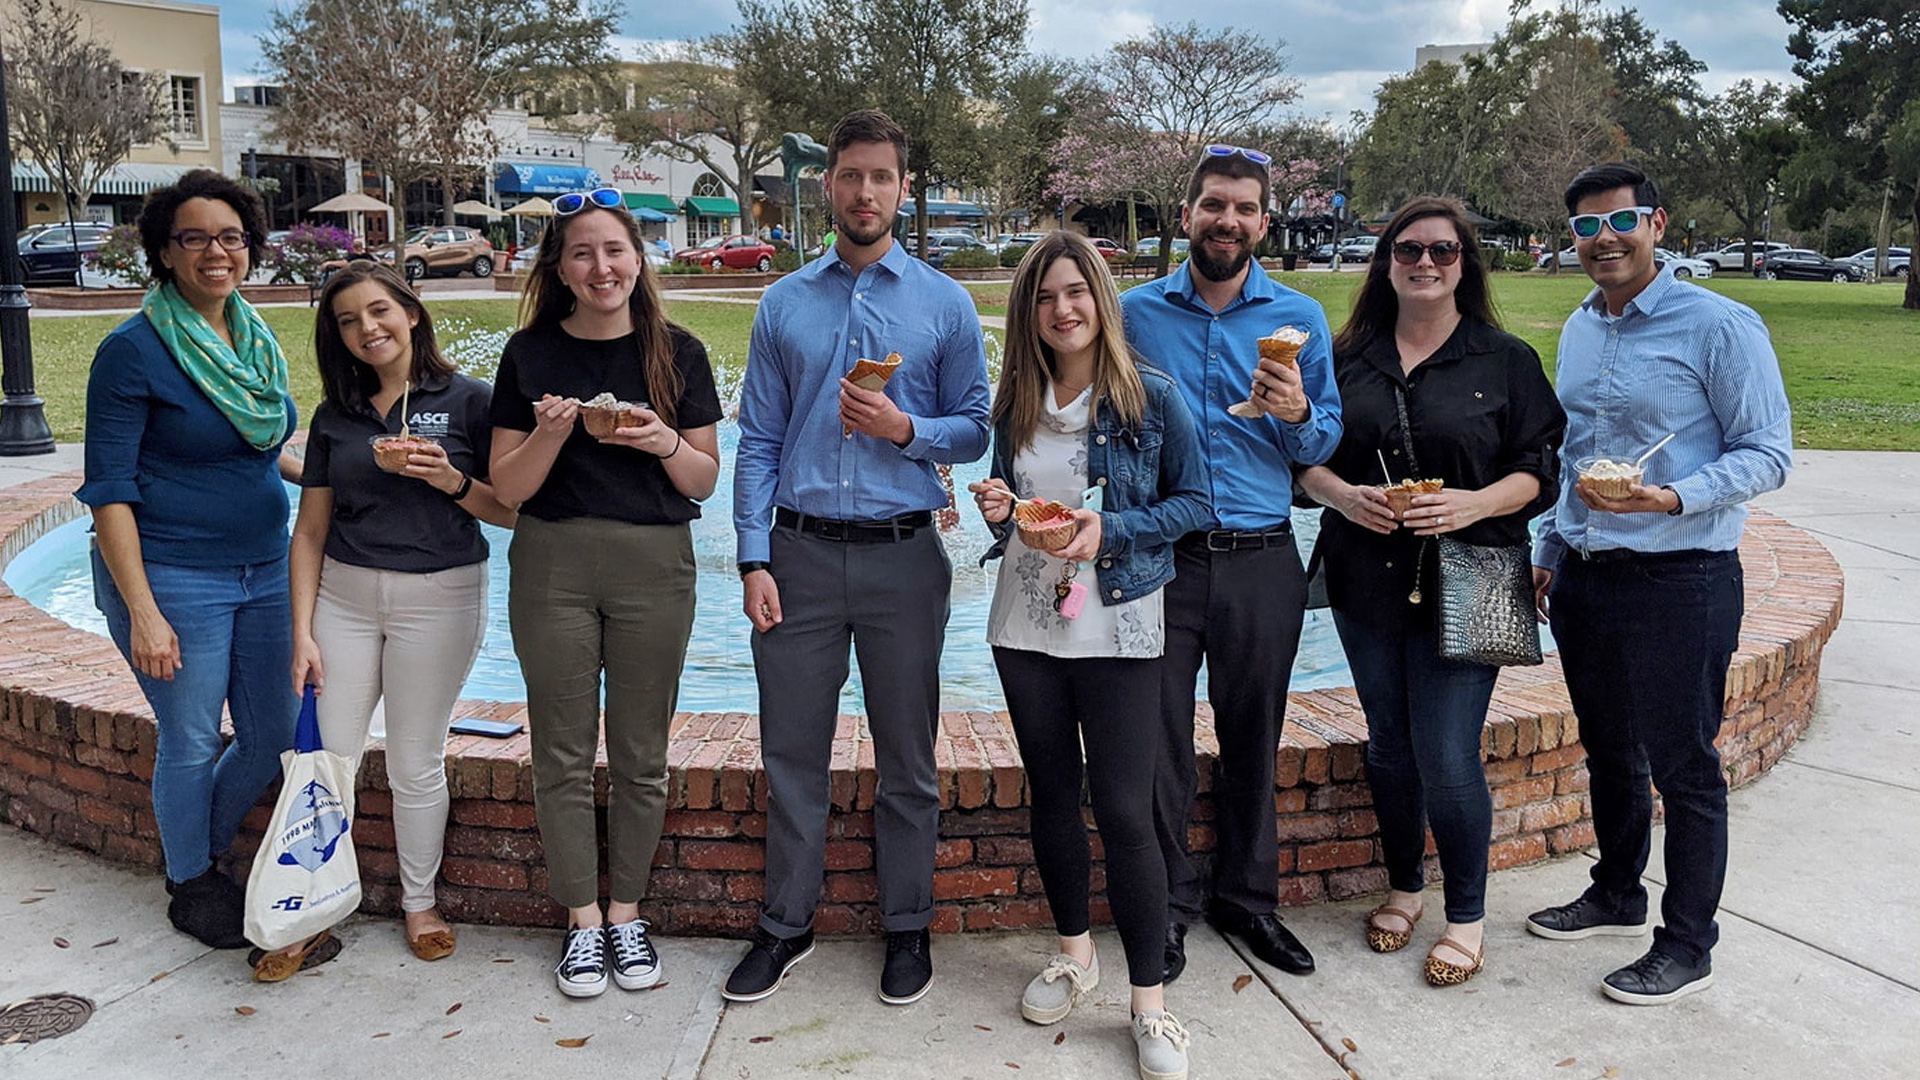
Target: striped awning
126	178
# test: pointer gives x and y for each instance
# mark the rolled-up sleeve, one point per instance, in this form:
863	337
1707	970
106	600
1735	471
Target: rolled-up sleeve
1536	425
117	408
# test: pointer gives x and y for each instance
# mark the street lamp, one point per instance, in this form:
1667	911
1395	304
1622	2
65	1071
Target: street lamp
23	419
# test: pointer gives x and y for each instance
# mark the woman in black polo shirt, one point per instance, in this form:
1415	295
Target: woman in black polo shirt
389	570
603	573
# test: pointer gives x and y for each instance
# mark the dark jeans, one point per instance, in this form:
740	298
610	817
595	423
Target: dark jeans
1645	642
1240	611
1424	717
1112	708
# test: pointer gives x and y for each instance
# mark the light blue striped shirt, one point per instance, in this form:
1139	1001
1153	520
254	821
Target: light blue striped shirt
812	326
1682	359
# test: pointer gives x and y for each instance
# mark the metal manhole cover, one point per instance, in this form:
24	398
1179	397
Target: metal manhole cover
47	1016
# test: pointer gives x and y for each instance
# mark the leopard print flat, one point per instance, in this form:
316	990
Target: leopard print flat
1382	940
1446	973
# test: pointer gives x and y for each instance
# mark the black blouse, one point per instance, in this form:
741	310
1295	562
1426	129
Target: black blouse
1480	409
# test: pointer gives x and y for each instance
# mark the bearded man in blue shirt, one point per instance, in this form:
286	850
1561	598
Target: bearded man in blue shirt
1238	596
1640	575
835	485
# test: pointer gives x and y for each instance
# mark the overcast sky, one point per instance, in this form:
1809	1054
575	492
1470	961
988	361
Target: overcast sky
1340	49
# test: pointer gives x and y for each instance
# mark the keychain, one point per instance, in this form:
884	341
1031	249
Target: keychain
1069	596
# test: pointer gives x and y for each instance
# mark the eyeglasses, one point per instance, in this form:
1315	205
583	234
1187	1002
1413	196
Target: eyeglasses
1622	221
1443	252
198	239
1255	156
573	202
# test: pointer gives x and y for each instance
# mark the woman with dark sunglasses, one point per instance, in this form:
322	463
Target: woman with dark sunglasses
1423	363
602	561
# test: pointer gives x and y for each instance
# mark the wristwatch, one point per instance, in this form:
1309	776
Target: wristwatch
754	564
1679	504
466	485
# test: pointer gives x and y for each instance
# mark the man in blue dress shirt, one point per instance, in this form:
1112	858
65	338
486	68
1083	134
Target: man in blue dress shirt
1238	596
1645	591
834	492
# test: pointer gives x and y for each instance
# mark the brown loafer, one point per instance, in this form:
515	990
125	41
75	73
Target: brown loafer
432	945
272	967
1445	972
1382	940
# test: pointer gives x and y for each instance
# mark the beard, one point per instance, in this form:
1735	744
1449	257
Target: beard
864	237
1217	269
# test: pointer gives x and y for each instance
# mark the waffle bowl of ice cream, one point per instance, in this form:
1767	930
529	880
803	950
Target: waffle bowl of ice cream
1400	495
603	413
1607	478
1045	524
390	452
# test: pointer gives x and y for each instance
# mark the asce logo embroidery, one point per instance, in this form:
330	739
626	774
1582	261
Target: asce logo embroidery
430	423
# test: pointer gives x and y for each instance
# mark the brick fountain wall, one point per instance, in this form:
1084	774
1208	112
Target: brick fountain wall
77	740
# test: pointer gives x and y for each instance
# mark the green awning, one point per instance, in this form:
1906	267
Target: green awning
709	206
637	200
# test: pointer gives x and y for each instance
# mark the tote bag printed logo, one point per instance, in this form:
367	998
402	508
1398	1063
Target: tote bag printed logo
313	828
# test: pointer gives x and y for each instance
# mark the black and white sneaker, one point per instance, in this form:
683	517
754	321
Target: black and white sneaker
1656	979
1584	918
908	972
758	973
582	971
636	965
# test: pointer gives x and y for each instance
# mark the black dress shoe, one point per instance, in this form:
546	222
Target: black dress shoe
1176	954
1267	937
758	973
1656	979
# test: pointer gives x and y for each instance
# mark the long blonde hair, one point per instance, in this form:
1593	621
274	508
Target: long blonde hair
1028	362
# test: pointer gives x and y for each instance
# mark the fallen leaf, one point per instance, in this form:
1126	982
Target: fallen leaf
61	943
245	1010
538	1019
158	977
104	944
1060	1038
761	1039
453	1008
1011	1065
1610	1072
503	959
452	1033
982	1027
1563	1063
33	899
46	890
573	1044
1348	1043
383	1034
1241	983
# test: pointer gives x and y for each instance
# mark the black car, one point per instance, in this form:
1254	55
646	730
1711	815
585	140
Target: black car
51	254
1804	265
944	244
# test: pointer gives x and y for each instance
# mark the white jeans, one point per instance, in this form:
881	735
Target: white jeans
410	638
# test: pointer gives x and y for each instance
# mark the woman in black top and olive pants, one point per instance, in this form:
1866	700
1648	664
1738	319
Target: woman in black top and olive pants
1482	417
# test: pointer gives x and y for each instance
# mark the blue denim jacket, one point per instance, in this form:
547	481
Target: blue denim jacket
1156	490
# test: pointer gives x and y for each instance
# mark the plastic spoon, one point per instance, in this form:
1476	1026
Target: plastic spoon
407	388
1642	460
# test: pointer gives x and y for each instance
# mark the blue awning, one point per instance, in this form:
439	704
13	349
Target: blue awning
937	208
517	179
648	215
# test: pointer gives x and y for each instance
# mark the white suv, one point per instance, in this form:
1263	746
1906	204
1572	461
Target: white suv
1734	255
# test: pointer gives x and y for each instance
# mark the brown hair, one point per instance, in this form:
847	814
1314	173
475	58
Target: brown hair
866	126
1376	307
547	300
344	381
1028	362
1233	167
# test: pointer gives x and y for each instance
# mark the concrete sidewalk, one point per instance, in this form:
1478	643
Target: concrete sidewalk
1818	973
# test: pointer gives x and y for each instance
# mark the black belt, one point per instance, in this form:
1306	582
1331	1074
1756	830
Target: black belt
1621	555
1241	539
883	531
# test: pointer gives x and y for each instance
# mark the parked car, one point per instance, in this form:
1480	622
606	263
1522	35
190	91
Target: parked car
51	254
1321	254
1684	266
1734	255
945	244
1568	258
1358	248
1899	260
736	252
1025	239
1149	248
1804	265
449	250
1111	250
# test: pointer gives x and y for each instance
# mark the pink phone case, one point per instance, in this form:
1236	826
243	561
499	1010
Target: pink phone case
1075	600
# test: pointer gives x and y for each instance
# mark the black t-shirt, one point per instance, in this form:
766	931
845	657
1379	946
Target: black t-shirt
1481	408
387	521
590	478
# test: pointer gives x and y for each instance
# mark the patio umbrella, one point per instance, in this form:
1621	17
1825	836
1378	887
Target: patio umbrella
475	208
534	207
353	201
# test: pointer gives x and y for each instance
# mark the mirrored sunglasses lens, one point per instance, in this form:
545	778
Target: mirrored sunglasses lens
1406	252
1586	226
1623	221
1256	156
1444	253
608	198
569	203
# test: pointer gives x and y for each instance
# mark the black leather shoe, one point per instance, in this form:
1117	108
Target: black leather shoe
1656	979
1584	918
758	973
1267	937
1176	954
908	972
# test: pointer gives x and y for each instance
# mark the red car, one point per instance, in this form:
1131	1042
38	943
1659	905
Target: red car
1111	250
739	252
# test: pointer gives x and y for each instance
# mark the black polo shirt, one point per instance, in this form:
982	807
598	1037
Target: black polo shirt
1480	409
589	478
386	521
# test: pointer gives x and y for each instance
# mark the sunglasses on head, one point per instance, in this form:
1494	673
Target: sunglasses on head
573	202
1443	252
1255	156
1622	221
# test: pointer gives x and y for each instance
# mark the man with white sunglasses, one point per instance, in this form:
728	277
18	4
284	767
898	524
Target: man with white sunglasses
1637	567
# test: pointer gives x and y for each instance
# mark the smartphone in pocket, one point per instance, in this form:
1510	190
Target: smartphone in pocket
492	729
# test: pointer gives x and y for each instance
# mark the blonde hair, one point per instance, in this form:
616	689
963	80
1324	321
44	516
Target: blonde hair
1028	362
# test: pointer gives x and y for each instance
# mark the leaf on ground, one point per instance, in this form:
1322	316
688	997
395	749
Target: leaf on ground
383	1034
62	943
104	944
1610	1072
33	899
1242	983
1060	1038
982	1027
37	889
1010	1064
538	1019
1349	1044
573	1044
452	1033
245	1010
503	959
158	977
453	1008
761	1039
1563	1063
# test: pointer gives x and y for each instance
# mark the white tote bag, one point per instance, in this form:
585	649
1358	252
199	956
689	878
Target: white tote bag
305	877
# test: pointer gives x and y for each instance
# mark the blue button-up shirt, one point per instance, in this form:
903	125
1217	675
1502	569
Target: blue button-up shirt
812	326
1212	355
1678	359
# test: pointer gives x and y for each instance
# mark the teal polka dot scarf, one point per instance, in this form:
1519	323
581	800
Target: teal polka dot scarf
246	381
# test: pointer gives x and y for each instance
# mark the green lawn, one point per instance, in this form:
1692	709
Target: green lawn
1849	353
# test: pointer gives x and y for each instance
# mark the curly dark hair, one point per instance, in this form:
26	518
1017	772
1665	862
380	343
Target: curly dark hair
1376	307
157	214
345	381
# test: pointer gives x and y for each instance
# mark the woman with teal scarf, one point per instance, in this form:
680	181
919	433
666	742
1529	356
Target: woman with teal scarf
187	407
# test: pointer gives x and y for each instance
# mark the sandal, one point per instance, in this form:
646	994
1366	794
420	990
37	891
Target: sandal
432	945
271	967
1382	940
1446	973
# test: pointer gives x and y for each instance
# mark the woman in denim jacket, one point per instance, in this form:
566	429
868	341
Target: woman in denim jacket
1079	421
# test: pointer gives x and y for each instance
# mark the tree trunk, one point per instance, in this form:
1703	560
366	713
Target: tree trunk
1912	299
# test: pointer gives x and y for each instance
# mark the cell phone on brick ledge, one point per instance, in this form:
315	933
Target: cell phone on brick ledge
480	725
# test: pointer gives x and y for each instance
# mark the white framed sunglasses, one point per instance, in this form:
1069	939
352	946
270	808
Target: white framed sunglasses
573	202
1621	221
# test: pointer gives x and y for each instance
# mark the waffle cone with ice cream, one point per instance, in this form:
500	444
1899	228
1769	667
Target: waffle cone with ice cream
1400	495
1283	345
1045	523
871	375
